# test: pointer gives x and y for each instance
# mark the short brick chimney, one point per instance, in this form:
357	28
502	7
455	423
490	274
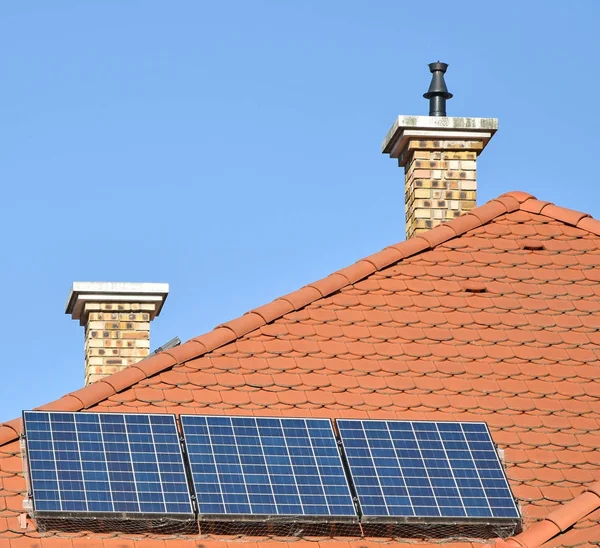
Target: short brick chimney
439	157
116	318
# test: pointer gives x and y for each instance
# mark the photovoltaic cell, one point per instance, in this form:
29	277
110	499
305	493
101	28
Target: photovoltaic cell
266	467
426	469
84	463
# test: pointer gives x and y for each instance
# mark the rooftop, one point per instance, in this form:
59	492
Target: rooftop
494	316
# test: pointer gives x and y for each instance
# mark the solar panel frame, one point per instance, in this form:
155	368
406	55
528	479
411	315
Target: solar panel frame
264	465
428	482
92	465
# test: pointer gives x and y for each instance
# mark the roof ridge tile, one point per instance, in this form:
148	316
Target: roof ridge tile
242	324
155	364
439	235
488	211
413	245
302	297
385	257
518	195
461	225
511	203
215	338
556	522
594	488
185	352
570	513
357	271
567	216
537	534
94	393
125	378
9	431
330	284
66	403
533	205
273	310
589	224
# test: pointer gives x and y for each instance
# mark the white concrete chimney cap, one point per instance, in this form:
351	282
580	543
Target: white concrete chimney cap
431	128
115	292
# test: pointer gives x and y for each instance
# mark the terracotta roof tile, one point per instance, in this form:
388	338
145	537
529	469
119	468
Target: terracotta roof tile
472	321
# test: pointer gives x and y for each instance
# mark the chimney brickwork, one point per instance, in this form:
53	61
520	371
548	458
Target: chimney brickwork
439	156
440	182
116	318
116	335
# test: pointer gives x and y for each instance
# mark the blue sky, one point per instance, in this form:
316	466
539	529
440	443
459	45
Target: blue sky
232	149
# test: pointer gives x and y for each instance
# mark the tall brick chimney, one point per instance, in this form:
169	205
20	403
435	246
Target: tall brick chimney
116	318
439	157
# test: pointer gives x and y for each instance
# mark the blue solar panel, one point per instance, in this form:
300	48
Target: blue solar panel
266	467
425	469
105	463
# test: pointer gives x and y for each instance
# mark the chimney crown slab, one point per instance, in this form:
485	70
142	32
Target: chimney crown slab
83	293
432	128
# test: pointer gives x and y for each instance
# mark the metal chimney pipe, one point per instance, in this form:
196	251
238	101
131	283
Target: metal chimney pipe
437	92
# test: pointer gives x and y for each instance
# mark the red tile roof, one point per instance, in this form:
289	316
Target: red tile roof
493	316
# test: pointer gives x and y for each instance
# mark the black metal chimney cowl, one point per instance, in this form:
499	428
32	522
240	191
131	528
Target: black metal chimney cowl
437	92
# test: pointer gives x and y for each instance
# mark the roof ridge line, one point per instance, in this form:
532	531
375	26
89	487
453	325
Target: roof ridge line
555	523
227	332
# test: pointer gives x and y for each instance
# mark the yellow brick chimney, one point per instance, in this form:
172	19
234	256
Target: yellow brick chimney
439	156
116	318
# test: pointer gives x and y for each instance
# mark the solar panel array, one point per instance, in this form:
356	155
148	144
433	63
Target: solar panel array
106	463
426	469
253	467
266	466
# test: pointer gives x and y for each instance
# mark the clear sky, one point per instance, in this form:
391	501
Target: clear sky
232	149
